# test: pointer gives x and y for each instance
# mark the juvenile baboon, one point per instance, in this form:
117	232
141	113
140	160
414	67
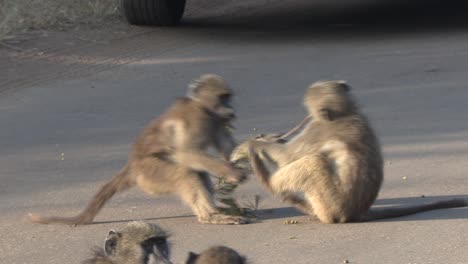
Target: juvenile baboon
335	162
170	155
137	243
216	255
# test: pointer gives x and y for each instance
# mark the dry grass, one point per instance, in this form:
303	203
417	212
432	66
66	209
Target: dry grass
24	15
230	206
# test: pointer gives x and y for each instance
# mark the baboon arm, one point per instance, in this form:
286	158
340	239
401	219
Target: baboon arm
200	161
188	152
259	168
275	152
225	144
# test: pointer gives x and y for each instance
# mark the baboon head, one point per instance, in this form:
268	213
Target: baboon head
138	242
214	94
328	100
216	255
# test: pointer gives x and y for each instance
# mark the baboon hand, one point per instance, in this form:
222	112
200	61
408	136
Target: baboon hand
236	176
240	153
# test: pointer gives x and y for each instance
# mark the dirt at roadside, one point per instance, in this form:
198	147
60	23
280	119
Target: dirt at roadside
39	56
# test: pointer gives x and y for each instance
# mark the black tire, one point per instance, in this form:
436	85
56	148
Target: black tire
153	12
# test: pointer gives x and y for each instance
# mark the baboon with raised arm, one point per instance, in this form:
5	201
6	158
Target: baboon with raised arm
170	156
138	242
335	161
216	255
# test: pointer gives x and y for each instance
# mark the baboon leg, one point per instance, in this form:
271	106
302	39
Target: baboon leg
298	176
197	192
298	202
206	180
194	191
311	176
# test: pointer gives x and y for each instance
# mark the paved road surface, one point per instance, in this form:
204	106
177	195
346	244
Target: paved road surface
72	102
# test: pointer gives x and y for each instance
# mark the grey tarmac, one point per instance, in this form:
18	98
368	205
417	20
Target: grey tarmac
72	102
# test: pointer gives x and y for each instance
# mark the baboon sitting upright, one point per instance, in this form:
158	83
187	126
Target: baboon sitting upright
335	162
170	156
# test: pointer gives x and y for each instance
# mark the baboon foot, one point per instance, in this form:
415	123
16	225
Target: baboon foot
222	219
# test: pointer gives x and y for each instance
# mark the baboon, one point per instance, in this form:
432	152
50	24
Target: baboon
334	167
216	255
171	156
137	243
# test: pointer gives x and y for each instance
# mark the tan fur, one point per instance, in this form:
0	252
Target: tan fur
170	156
336	161
240	156
137	243
216	255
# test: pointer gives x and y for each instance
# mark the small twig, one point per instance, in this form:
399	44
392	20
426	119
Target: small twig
92	40
224	191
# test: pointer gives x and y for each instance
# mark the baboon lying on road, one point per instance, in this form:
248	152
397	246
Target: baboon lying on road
335	162
170	156
137	243
141	242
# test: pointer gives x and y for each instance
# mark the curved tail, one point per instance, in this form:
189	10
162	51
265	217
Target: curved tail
377	214
119	182
296	129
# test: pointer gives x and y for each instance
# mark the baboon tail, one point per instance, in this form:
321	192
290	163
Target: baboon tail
296	129
119	182
259	168
376	214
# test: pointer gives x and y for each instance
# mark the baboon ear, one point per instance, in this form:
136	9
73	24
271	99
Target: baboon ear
343	84
325	114
192	257
110	244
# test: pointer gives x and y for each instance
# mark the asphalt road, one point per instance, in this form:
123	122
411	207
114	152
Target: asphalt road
72	102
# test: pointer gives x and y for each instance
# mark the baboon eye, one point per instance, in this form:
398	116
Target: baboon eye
345	86
224	98
110	244
326	114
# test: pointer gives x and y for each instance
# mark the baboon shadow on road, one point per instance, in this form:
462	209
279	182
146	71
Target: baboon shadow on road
289	211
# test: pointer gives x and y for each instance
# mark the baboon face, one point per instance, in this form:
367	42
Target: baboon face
139	239
327	100
214	94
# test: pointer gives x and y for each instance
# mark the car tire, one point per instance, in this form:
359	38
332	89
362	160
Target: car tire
153	12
